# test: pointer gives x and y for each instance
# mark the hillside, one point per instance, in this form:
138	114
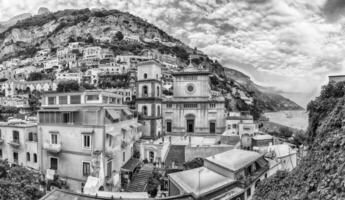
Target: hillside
320	174
54	30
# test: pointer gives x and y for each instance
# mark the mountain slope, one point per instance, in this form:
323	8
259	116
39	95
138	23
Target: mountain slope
54	30
320	175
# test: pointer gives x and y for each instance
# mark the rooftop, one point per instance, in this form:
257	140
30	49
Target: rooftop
234	159
184	140
200	181
263	137
59	194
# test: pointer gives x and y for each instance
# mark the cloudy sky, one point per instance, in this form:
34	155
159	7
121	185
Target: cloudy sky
292	45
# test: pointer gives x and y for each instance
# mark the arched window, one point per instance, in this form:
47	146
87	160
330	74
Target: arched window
35	158
145	76
145	91
158	91
27	156
158	110
144	110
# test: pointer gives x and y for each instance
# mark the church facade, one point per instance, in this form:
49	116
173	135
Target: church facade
193	110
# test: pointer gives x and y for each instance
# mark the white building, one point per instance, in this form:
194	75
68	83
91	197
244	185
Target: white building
65	76
19	143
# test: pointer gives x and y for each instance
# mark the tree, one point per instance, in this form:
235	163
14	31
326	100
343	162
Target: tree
119	36
18	183
195	163
68	86
36	76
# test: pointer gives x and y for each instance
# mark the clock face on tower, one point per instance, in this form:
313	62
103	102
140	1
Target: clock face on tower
190	88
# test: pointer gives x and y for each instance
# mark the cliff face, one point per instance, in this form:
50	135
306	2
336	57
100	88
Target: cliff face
54	30
320	174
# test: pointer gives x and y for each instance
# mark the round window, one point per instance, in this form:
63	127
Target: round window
190	88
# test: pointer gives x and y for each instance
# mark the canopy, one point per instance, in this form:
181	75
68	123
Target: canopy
115	115
130	165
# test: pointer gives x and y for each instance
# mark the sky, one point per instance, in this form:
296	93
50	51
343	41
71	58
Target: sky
292	45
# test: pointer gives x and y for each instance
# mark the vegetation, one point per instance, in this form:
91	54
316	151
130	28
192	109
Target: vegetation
153	184
18	183
195	163
37	76
68	86
320	175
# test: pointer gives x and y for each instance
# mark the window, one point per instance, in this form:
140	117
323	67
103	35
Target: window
0	134
51	100
86	168
158	110
86	141
190	105
92	97
75	99
15	135
229	126
144	110
158	91
35	158
234	126
212	127
0	153
145	91
124	157
110	139
15	157
53	163
212	105
62	99
31	137
249	192
27	156
53	138
145	76
169	126
169	105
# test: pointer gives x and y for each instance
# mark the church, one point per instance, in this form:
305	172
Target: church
193	109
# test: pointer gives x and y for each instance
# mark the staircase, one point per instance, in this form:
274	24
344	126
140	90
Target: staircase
176	155
140	179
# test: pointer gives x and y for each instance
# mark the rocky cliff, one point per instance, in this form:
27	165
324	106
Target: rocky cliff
54	30
320	175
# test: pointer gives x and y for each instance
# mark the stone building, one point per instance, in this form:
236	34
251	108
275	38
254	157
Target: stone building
193	109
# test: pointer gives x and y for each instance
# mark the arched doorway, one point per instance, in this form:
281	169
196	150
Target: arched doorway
190	123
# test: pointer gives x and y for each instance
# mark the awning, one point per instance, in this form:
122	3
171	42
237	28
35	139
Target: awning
130	165
135	125
127	112
68	109
126	128
115	115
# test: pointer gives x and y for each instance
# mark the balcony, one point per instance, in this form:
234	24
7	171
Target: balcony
1	141
15	143
52	148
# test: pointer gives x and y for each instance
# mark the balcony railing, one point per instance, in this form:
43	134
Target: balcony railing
52	148
15	143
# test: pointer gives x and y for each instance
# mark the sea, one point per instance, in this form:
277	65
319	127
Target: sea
293	118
